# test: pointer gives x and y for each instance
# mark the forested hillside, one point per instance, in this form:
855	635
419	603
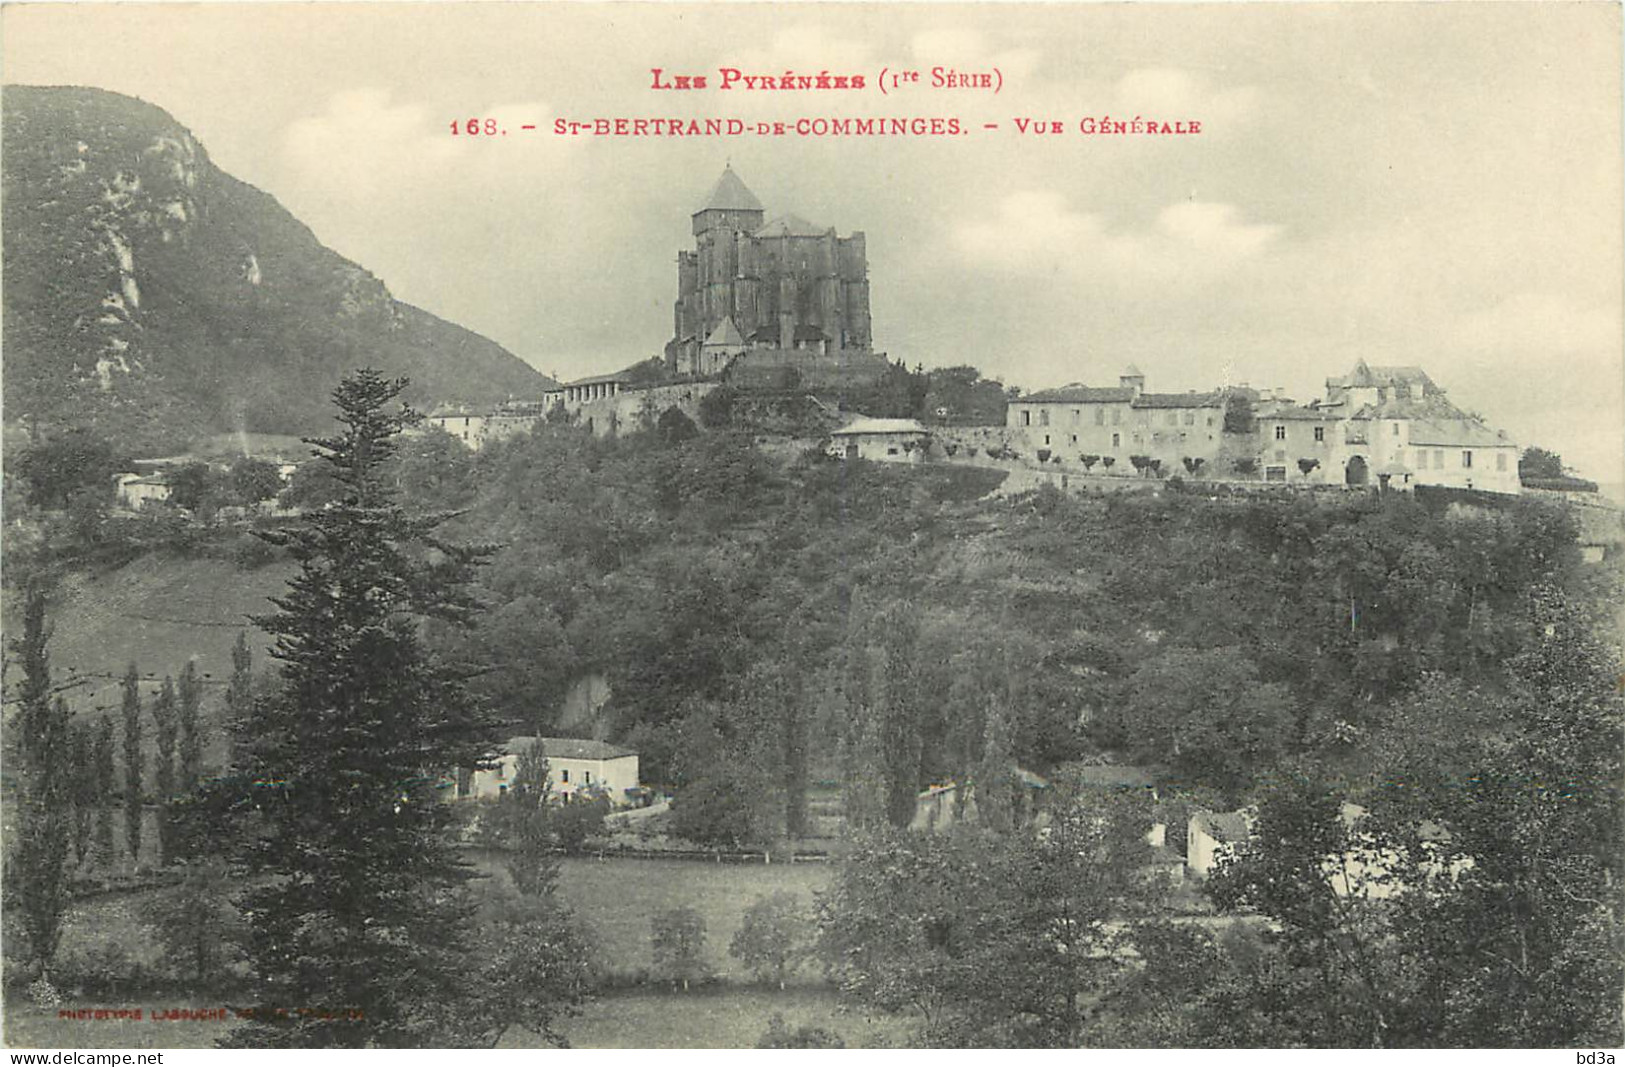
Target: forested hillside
759	620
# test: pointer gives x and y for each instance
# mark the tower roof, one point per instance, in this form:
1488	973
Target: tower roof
730	194
726	335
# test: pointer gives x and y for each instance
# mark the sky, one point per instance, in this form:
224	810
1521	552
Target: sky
1433	184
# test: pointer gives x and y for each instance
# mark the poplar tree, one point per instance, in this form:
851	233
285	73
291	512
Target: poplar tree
36	875
239	691
359	919
83	788
103	774
191	738
132	762
165	728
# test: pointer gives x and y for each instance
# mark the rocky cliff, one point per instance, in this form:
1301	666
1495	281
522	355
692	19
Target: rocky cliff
154	295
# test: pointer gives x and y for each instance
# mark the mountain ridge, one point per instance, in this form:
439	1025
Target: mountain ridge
158	298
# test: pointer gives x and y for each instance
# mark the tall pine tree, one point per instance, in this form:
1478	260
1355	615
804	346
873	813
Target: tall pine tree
360	924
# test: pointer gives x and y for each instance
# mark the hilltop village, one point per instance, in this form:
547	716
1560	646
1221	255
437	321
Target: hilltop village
781	306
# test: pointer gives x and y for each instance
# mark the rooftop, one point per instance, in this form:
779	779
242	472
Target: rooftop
1179	400
791	226
730	194
726	334
862	426
1077	393
1231	826
1116	776
568	748
1294	413
1456	433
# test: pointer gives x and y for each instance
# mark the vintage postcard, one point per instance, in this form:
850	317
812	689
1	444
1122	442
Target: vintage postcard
617	525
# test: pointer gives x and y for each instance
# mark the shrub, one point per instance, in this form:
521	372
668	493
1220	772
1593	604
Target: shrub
576	821
1043	455
779	1035
773	938
677	940
1088	461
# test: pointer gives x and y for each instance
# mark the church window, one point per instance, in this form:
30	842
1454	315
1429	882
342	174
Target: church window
1046	439
1438	459
1421	459
1396	429
1117	440
1117	416
1280	433
1043	417
1100	416
1466	459
1190	418
1320	433
1026	417
1077	416
564	776
1500	461
1074	438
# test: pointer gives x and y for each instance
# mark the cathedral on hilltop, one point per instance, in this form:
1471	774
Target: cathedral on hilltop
786	293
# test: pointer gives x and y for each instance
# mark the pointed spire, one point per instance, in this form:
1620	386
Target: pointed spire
731	194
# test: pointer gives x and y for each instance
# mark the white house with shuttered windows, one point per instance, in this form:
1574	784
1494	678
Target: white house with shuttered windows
574	765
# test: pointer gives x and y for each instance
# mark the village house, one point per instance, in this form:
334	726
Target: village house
1300	443
1080	420
1372	873
477	427
883	440
575	766
1212	837
135	491
1385	427
1395	428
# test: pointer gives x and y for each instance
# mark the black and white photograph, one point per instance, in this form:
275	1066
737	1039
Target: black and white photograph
638	526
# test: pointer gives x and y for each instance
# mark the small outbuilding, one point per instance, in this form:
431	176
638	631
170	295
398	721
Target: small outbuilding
883	440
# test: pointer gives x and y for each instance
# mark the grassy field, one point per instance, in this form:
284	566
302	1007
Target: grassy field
614	897
719	1018
617	897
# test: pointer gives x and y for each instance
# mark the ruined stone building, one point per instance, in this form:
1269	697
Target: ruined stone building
783	288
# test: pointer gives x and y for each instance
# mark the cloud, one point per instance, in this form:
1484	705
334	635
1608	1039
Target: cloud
1169	94
1543	324
968	50
367	147
1034	232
